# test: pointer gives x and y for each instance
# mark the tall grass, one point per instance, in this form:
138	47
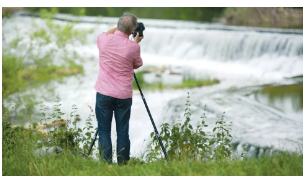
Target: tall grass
22	162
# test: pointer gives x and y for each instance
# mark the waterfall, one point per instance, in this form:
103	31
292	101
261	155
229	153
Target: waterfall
220	44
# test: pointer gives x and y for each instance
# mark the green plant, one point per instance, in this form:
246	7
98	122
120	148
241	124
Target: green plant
223	140
87	139
184	142
68	136
19	145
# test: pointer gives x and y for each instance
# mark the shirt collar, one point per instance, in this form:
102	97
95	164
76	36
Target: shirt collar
117	32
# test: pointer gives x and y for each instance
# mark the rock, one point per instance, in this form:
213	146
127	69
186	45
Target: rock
7	10
42	152
155	69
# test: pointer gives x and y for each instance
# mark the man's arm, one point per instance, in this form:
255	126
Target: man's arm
137	59
112	30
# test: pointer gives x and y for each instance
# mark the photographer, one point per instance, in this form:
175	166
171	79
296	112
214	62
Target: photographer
118	57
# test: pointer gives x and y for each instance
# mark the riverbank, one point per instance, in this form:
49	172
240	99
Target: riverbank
22	161
159	79
22	154
243	58
270	17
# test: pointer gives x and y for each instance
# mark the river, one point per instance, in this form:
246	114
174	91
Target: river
254	66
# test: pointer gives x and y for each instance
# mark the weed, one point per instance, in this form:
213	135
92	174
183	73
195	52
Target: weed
184	142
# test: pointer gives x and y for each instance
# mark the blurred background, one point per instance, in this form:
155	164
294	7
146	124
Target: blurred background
246	62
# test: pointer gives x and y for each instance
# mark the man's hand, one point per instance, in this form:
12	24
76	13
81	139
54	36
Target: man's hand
112	30
137	39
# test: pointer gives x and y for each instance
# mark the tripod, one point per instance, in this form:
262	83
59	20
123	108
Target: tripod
155	129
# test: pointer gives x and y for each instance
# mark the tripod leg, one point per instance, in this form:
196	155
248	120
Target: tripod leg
92	143
155	129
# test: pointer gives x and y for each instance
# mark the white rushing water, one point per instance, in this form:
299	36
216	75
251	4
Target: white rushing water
239	57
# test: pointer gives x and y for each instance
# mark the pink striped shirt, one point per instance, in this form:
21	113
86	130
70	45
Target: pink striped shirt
118	57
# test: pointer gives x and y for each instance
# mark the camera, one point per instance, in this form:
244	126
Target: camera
140	28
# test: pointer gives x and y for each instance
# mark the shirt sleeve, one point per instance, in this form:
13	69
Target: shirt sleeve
100	39
137	59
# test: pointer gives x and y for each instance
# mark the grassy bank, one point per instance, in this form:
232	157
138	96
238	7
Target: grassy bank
16	77
189	82
68	164
192	82
187	147
18	158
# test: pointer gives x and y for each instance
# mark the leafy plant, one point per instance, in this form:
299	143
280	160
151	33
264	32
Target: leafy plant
185	142
222	140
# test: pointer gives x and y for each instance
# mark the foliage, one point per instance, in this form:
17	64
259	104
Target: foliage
189	150
184	142
223	140
192	82
68	136
188	82
176	13
279	17
35	57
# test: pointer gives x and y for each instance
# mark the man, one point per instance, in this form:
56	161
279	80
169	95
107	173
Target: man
118	57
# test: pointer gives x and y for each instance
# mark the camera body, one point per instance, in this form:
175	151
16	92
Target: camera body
140	28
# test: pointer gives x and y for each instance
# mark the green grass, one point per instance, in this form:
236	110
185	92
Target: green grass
187	83
17	78
21	162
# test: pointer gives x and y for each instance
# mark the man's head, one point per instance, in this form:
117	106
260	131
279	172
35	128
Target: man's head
127	23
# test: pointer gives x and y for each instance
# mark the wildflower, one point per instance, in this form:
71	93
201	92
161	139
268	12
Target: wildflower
187	149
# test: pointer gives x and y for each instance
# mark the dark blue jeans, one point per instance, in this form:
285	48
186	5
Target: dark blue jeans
105	106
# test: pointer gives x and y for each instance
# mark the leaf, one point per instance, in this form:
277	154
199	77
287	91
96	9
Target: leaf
203	133
214	129
152	134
